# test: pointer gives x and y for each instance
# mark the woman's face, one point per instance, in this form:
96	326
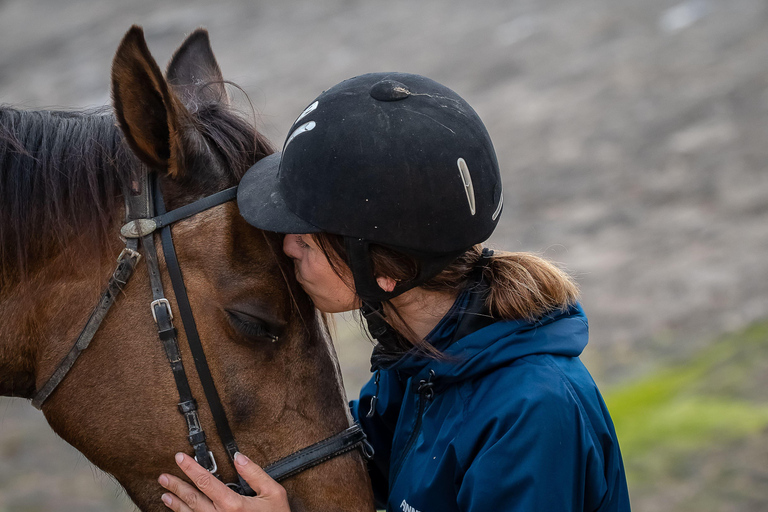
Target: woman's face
328	291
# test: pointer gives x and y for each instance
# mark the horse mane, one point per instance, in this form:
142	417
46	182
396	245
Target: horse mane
62	173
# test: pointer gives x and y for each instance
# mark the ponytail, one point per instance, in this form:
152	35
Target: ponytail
525	286
522	285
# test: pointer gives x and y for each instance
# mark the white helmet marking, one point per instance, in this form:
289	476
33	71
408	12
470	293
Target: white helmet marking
306	112
498	208
466	178
298	131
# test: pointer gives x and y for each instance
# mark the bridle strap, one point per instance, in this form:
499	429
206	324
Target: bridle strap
320	452
126	264
163	315
143	226
164	218
136	206
190	327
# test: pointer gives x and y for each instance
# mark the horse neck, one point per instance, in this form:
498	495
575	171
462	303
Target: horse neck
59	188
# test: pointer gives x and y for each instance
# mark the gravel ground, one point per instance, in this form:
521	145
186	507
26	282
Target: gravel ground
631	137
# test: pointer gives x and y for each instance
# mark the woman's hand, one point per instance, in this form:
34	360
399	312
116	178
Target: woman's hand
212	495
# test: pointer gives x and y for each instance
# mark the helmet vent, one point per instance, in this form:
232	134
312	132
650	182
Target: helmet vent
389	90
466	178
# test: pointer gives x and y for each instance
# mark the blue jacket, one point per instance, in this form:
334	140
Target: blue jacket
510	421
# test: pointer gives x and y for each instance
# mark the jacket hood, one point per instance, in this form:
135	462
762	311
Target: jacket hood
562	333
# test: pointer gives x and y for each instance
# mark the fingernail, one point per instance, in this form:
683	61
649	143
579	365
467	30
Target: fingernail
163	480
166	499
241	459
179	458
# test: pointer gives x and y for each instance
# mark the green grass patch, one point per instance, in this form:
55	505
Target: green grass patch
714	398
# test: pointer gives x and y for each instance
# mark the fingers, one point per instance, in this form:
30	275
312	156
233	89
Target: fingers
174	503
212	495
210	490
263	484
185	497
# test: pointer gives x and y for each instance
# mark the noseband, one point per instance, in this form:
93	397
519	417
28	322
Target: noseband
145	214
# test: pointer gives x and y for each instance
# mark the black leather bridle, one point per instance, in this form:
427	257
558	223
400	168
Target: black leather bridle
145	214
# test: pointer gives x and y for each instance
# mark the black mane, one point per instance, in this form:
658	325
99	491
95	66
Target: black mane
62	172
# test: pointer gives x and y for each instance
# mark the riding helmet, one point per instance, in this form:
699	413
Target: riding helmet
393	159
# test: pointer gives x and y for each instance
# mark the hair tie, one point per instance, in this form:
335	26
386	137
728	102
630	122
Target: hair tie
485	257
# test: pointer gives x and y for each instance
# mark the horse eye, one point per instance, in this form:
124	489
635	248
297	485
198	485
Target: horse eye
250	326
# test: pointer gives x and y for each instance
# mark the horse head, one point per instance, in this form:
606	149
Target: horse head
267	348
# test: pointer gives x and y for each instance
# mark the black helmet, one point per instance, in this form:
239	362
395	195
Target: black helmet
386	158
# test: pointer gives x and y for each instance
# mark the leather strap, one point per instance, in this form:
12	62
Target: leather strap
142	226
320	452
126	264
166	219
161	311
163	315
193	337
137	205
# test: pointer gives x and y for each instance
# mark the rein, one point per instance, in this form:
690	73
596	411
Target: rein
145	214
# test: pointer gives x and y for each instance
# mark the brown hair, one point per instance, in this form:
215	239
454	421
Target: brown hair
521	285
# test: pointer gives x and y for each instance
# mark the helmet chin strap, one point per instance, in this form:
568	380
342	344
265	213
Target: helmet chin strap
366	285
382	332
372	295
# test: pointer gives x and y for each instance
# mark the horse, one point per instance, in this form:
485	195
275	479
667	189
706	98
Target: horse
64	178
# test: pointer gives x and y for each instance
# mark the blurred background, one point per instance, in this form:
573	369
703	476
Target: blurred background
633	141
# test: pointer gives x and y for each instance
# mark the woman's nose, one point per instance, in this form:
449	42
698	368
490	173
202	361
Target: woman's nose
290	247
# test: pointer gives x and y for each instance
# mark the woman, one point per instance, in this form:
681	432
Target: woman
386	186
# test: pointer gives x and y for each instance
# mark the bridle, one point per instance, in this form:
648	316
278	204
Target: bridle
145	214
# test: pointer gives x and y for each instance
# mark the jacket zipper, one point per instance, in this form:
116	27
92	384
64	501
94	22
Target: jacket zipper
426	393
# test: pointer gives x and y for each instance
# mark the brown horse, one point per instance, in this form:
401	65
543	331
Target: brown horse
61	177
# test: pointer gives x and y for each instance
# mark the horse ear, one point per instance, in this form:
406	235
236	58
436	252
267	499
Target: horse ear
194	73
147	111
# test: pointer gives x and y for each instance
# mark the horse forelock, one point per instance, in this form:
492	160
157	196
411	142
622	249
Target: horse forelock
234	139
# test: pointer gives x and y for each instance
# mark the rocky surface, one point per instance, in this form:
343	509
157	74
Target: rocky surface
632	138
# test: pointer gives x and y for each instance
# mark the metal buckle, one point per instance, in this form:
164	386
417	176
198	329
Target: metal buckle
213	459
235	487
131	253
157	302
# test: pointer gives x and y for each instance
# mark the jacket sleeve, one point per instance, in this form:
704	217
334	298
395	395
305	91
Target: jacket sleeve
543	457
380	427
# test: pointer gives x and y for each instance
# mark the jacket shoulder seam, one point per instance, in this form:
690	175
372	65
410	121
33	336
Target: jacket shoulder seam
573	396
